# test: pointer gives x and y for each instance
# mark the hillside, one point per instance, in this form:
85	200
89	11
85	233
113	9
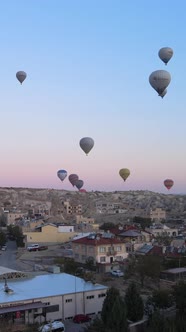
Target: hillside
132	202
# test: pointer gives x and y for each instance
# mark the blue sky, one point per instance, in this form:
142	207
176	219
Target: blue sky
88	64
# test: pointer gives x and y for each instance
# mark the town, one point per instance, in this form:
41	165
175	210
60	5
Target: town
62	252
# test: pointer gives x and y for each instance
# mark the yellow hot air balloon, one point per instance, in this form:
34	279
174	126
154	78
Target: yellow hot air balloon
124	173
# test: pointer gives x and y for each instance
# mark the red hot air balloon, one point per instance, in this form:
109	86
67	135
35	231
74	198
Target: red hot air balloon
73	179
168	183
82	191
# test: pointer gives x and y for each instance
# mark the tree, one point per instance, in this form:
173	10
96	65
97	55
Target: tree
157	323
148	266
106	226
2	238
113	312
134	303
16	233
160	299
3	220
144	222
179	294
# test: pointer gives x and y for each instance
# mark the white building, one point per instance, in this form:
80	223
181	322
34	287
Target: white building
50	297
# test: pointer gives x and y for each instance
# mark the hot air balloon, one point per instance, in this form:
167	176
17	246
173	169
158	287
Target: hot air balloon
79	184
124	173
73	178
163	93
168	183
21	75
160	80
165	54
86	144
61	174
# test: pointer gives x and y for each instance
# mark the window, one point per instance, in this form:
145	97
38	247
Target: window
83	248
118	248
119	258
91	249
101	295
68	300
90	297
83	257
102	249
102	259
76	256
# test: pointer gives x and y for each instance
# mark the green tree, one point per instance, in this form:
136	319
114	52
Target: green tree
3	220
107	225
2	238
90	263
17	234
134	303
157	323
144	222
114	312
179	294
162	298
148	266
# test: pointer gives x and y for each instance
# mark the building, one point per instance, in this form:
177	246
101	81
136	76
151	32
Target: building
13	216
162	230
50	233
49	297
110	208
102	249
157	214
174	275
71	209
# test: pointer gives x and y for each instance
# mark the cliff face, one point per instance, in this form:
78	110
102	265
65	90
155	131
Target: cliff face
23	199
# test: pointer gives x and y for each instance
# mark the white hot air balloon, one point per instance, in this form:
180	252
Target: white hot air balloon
86	143
21	76
165	54
163	93
159	80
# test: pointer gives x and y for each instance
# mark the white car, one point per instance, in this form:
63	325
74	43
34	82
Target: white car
55	326
117	273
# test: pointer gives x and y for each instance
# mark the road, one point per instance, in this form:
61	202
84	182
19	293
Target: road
8	257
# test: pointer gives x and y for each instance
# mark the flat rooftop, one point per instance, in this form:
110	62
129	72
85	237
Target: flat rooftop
45	286
176	270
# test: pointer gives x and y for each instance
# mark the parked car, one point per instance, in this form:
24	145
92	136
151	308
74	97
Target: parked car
117	273
4	248
81	318
33	247
36	247
55	326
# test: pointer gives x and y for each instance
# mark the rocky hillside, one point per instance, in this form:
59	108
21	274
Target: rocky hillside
132	202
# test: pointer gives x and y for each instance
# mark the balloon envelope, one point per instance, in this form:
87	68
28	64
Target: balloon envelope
159	80
86	143
163	93
168	183
79	184
61	174
21	75
165	54
124	173
73	178
82	191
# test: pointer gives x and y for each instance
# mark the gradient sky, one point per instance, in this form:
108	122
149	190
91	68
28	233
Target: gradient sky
88	64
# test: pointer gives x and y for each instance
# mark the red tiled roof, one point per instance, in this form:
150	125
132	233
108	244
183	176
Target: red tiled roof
97	242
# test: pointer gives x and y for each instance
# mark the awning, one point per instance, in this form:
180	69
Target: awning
21	307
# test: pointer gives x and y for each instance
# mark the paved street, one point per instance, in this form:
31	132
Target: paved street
8	257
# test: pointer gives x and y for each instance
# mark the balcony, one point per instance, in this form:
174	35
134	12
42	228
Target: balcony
111	252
